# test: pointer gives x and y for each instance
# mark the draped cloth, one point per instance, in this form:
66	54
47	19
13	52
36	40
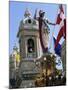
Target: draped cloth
44	38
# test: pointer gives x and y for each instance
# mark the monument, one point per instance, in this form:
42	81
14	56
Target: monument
32	55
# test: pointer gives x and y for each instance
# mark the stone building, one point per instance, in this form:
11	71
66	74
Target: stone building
31	54
30	50
13	62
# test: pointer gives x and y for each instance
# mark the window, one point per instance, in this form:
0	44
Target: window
30	45
29	21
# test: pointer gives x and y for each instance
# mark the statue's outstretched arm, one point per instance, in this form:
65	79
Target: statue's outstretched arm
50	22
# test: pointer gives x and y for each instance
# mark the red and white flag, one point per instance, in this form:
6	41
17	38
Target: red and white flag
62	22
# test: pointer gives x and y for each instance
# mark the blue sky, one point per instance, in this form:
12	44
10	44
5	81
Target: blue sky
16	14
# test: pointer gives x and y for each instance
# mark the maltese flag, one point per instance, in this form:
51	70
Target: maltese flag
62	22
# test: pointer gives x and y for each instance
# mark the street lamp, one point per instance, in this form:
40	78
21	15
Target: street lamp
57	76
44	58
50	78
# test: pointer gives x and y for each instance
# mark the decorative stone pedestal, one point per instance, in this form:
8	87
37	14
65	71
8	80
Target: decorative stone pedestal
28	71
32	72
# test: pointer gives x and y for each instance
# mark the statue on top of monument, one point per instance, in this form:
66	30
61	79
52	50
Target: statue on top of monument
43	30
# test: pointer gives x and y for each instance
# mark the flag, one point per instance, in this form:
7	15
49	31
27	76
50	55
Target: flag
62	22
60	14
58	48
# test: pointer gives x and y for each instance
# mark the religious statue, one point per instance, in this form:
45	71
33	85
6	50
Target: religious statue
44	30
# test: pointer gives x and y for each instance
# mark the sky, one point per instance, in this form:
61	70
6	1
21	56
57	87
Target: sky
16	14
